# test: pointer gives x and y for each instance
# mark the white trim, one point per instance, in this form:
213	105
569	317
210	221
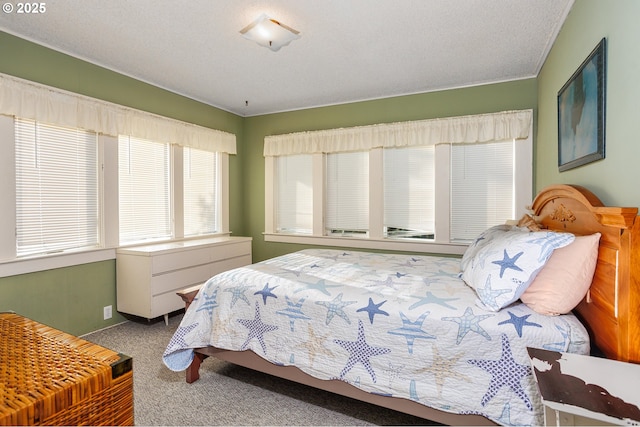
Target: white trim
7	188
443	193
49	262
376	194
223	201
37	263
110	195
523	175
269	194
368	243
318	165
177	191
88	334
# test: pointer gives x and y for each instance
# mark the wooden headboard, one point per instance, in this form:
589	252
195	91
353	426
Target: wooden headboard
611	309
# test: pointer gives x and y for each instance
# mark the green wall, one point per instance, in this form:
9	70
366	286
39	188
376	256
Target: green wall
72	298
614	179
474	100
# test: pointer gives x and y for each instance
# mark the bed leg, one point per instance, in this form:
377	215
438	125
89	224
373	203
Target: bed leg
193	371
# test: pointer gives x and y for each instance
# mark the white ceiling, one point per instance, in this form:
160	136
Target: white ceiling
349	50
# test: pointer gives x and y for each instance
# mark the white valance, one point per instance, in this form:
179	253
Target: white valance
29	100
453	130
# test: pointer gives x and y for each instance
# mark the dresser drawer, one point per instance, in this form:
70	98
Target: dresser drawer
149	276
178	279
173	281
165	303
198	256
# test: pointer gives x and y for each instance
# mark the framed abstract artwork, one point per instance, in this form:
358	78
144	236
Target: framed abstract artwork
581	113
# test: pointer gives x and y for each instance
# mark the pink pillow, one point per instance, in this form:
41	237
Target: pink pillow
565	279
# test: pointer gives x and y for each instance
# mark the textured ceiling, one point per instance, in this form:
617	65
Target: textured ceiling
349	50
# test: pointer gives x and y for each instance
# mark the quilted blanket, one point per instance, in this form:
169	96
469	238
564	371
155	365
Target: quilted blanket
397	325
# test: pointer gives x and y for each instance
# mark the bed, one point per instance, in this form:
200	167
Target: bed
434	337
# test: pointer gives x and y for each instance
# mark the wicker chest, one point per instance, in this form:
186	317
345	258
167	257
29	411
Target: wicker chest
48	377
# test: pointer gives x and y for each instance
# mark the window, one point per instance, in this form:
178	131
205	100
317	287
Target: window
66	191
409	188
482	187
201	192
56	188
144	190
294	204
347	198
426	186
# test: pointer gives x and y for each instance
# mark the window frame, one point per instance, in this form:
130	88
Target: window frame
11	264
442	243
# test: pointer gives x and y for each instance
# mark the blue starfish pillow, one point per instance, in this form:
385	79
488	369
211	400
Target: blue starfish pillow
481	241
506	264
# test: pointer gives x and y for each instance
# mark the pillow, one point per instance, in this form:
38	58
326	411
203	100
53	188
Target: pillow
502	268
565	279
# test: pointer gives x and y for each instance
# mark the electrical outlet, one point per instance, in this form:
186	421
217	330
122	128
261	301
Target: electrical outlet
107	312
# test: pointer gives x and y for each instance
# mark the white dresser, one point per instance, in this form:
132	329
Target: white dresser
149	276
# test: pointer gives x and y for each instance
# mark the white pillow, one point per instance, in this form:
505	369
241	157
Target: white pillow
504	266
565	279
480	241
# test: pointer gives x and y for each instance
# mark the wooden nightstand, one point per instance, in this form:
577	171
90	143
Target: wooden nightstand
584	390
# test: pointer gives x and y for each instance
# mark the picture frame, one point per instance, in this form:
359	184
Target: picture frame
581	113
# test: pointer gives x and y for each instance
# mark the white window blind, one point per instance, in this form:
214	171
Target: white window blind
294	194
56	188
347	193
482	187
144	186
200	169
409	190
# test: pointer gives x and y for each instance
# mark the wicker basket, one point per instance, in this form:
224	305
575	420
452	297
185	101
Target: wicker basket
48	377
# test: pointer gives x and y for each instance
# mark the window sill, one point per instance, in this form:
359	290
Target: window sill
361	243
35	263
48	262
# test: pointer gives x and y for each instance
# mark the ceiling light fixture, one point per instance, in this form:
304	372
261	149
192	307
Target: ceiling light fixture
269	33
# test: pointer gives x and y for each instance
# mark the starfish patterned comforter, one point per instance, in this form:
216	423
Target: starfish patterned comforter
397	325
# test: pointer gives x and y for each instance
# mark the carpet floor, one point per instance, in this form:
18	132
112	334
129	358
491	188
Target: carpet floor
226	394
